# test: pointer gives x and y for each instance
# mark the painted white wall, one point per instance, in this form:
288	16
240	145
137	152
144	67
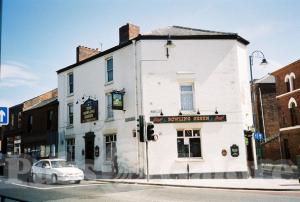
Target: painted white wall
218	70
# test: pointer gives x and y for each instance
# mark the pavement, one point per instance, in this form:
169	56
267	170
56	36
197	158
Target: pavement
237	184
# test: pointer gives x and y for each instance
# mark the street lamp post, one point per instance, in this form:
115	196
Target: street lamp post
260	55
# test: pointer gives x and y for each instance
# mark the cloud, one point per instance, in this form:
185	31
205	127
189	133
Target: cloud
15	74
7	103
256	31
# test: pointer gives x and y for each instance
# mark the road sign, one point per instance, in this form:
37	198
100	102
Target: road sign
4	116
258	136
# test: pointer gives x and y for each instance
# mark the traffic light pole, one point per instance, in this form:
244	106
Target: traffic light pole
147	161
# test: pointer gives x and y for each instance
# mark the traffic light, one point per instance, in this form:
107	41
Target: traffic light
140	127
150	132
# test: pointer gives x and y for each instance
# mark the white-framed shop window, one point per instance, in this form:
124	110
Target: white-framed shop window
110	146
189	143
109	110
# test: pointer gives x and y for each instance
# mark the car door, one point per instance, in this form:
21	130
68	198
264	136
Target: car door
37	169
45	170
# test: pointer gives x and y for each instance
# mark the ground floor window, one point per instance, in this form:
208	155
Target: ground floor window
110	146
189	143
70	149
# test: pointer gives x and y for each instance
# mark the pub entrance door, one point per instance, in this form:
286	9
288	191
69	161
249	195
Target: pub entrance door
89	149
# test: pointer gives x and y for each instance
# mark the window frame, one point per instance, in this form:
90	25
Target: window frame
193	96
112	139
108	107
189	145
69	84
69	113
109	70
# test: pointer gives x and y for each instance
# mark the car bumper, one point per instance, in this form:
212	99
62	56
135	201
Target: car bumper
69	178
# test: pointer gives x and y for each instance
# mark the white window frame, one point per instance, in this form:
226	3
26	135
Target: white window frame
68	84
114	137
106	70
190	137
68	114
193	97
109	113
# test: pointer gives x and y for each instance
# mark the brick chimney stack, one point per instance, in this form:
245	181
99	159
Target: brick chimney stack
83	53
128	32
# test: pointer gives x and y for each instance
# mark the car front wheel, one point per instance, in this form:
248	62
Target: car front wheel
77	182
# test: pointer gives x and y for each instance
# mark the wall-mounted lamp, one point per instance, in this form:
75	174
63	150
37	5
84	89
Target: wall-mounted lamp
168	45
198	112
216	112
161	113
180	113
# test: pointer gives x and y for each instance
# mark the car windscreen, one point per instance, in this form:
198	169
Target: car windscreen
60	164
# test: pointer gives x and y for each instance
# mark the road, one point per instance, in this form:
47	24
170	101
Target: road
98	191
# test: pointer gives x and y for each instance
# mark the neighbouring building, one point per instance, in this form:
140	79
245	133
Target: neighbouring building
191	83
11	142
266	117
32	127
288	100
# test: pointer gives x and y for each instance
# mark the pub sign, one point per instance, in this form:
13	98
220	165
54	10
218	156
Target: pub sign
117	100
89	111
234	150
188	119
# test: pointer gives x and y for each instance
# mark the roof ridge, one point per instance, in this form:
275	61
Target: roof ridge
202	30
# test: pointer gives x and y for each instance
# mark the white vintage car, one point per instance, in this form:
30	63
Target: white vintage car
55	170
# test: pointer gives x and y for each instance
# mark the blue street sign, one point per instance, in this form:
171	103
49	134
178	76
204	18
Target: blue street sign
4	116
258	136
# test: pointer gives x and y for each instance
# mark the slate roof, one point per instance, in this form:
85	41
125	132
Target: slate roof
43	103
185	31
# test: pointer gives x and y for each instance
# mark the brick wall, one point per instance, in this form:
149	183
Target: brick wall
83	53
280	76
127	32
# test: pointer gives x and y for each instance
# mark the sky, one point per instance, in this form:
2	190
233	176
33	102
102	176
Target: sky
40	36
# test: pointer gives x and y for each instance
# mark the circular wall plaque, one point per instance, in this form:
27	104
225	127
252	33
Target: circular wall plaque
224	152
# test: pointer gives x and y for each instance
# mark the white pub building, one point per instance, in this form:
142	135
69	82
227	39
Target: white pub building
192	84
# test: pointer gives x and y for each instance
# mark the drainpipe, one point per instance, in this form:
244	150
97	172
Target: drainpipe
262	113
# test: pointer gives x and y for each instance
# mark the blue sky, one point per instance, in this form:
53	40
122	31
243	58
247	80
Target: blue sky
40	36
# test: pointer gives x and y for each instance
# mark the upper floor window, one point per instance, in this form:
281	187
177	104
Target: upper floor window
49	119
189	143
29	123
70	114
12	116
293	111
109	70
19	119
287	83
187	97
109	111
70	83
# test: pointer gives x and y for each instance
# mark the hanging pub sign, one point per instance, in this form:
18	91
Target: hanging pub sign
188	119
89	111
234	150
117	100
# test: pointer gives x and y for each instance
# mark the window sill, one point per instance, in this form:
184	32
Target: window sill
108	83
190	159
70	126
70	95
109	119
107	162
188	112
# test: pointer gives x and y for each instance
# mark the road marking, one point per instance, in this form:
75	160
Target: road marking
60	187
